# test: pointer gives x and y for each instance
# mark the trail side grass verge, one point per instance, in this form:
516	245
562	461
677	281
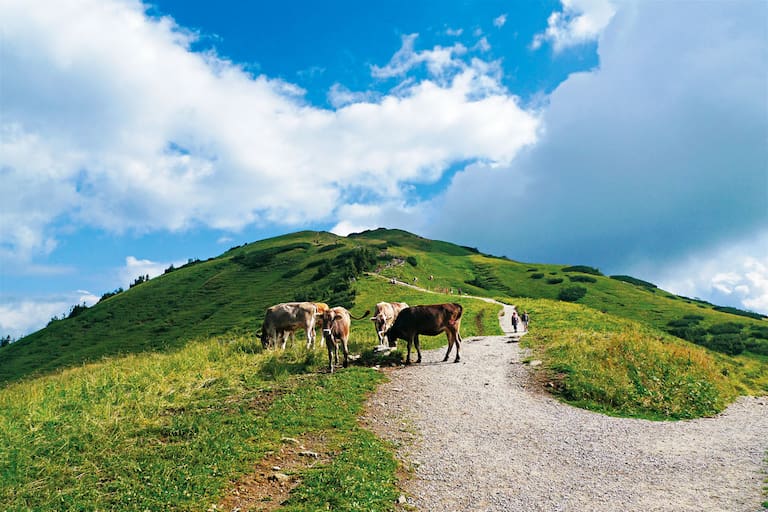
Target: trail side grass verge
174	431
619	367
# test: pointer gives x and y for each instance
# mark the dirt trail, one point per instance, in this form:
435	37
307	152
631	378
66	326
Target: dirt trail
479	438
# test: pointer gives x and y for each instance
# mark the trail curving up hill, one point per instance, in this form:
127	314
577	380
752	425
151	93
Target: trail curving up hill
477	437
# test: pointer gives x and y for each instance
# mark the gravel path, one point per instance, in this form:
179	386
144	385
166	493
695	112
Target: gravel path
479	439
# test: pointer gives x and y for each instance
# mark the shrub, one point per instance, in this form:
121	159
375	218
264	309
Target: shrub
730	344
572	293
554	280
635	281
726	328
582	279
412	261
537	275
583	269
740	312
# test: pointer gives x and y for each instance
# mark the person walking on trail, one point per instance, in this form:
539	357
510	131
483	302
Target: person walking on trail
525	319
515	319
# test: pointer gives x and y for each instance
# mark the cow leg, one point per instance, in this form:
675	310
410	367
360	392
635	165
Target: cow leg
458	347
450	345
330	355
284	335
345	349
408	353
418	348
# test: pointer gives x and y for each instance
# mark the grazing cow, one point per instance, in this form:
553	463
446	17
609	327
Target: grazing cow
430	321
322	307
384	316
282	319
336	325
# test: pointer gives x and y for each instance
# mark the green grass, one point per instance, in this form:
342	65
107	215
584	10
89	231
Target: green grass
146	417
620	367
171	432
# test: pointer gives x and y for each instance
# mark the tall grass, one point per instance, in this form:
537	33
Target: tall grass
621	367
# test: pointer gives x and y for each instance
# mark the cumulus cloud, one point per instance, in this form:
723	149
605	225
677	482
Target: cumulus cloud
579	22
656	155
19	318
734	275
135	267
438	60
111	121
500	21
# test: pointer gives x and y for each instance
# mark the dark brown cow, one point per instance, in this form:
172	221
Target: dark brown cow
384	316
336	325
430	321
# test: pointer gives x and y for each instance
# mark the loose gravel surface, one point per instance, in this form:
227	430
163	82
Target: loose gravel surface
479	437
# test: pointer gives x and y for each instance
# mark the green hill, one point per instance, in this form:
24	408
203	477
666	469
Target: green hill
161	398
229	293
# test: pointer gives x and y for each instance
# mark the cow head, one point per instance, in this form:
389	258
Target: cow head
391	336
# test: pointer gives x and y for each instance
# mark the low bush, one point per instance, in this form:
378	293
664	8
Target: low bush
572	293
583	269
582	279
554	280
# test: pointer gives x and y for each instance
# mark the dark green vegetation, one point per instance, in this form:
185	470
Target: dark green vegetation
160	396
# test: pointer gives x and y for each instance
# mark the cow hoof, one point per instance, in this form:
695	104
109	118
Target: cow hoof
418	360
445	358
456	360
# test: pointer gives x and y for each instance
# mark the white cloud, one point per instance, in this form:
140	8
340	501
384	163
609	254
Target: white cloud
656	156
733	275
579	22
110	121
500	21
22	317
438	60
135	267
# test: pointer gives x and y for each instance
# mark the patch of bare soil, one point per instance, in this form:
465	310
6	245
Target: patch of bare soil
268	486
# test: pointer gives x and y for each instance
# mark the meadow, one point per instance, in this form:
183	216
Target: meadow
161	398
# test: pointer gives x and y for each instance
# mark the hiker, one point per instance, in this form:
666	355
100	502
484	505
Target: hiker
525	319
515	319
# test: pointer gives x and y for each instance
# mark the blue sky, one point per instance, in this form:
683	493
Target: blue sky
631	136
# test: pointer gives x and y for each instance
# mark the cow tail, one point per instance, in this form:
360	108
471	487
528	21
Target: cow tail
367	312
460	308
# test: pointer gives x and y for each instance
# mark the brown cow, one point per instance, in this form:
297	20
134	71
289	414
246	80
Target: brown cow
283	319
336	325
384	316
428	320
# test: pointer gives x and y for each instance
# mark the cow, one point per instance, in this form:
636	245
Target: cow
429	320
336	325
322	307
282	319
384	316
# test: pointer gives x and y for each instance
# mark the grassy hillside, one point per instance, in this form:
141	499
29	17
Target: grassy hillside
161	398
229	294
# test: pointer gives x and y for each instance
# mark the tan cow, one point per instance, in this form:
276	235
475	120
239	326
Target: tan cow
336	325
384	316
283	319
428	320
